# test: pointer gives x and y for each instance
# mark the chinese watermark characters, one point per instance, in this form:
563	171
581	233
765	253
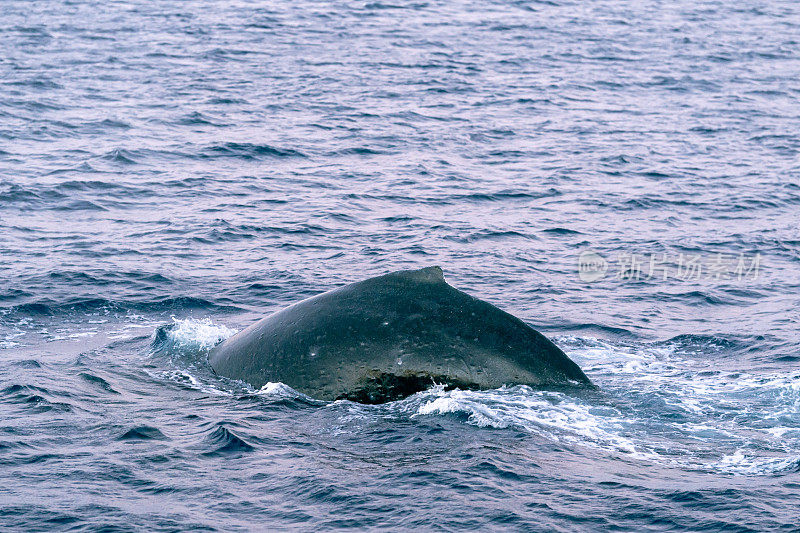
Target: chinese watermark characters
681	267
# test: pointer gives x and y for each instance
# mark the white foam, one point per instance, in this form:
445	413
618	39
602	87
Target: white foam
187	378
197	334
740	463
479	415
660	406
553	415
278	391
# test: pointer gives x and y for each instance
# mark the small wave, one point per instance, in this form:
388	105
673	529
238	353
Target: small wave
98	382
361	150
248	151
223	441
562	231
27	363
199	119
739	463
70	304
554	415
476	413
139	433
120	155
281	391
31	398
492	235
190	335
183	347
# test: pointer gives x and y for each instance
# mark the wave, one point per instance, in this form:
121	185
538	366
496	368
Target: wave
142	433
656	402
92	305
741	463
223	441
245	150
189	335
698	444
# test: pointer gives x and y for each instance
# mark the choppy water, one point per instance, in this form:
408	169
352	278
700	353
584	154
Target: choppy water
170	171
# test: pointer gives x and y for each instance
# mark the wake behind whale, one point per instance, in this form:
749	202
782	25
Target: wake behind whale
390	336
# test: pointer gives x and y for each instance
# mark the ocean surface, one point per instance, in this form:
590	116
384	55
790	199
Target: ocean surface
622	175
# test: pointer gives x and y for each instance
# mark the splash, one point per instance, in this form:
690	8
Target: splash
554	415
190	335
654	404
477	413
741	463
280	391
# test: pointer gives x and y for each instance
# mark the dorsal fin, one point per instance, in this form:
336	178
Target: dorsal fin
432	274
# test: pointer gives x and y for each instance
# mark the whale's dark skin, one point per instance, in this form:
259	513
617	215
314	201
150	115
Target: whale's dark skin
388	337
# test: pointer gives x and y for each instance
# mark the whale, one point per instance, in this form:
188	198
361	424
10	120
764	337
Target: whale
388	337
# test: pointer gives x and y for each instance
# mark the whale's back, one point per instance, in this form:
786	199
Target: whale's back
390	336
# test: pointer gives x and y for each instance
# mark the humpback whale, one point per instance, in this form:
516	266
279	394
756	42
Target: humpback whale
388	337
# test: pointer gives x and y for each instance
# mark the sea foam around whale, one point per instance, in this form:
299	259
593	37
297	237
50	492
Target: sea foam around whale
654	404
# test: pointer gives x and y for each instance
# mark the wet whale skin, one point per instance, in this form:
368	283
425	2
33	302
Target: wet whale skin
390	336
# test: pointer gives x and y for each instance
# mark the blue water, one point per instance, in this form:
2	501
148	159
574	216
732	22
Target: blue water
171	171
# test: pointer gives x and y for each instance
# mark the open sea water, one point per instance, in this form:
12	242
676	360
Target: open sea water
623	175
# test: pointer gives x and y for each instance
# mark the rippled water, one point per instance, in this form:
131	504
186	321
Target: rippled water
171	171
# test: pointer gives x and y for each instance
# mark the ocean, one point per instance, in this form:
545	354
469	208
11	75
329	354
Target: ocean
623	176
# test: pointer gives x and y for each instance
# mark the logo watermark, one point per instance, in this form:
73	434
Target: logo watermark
677	267
591	266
